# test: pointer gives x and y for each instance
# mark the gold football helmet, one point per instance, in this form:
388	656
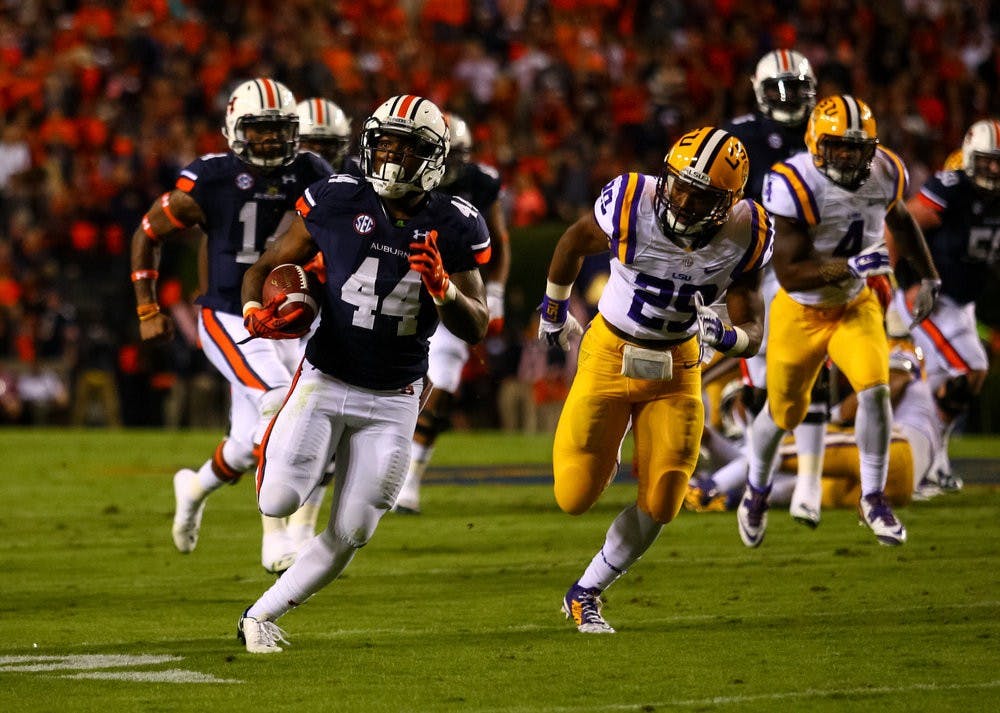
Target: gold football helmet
842	137
702	178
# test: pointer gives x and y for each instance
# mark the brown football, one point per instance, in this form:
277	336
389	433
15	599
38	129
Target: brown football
292	281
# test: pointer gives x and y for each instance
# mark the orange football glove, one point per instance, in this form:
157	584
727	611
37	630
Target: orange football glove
425	258
265	322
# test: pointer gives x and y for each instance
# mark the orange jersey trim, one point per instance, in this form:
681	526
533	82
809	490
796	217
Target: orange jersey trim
262	455
234	357
184	184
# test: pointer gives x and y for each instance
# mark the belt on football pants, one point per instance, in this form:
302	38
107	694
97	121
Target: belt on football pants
661	344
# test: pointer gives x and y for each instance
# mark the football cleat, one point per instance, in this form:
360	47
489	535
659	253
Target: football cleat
187	512
804	514
277	551
874	511
926	489
751	515
948	482
260	637
583	606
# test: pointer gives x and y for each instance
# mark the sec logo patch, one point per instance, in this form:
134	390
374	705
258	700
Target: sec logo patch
244	181
364	224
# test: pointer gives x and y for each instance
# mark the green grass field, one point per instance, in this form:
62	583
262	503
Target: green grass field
457	609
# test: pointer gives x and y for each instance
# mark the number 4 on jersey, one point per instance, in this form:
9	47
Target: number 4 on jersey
402	302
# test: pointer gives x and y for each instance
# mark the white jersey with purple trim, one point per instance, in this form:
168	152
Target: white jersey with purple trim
653	281
841	223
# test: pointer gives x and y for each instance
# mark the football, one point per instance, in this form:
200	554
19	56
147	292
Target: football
293	282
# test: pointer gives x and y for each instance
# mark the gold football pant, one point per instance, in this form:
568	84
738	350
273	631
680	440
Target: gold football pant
842	474
799	339
667	420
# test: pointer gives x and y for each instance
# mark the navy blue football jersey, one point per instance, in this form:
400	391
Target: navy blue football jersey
767	142
244	209
376	315
478	183
966	246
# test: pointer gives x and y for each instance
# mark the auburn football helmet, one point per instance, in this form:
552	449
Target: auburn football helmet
785	86
267	108
842	138
324	129
404	144
460	152
702	178
981	154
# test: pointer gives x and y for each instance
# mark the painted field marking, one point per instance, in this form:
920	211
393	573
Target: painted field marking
752	698
89	665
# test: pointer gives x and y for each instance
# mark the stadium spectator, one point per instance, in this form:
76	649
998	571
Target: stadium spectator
142	83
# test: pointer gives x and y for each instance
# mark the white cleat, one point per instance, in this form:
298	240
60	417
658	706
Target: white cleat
751	515
277	551
260	637
187	512
804	514
874	511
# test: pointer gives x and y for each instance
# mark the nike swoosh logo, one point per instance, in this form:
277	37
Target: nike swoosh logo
712	270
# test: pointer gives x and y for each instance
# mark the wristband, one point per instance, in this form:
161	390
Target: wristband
147	311
495	289
144	275
741	340
251	305
557	292
450	293
554	310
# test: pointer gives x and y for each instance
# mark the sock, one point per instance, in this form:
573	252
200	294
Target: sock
420	457
629	536
872	433
320	562
765	437
207	481
810	447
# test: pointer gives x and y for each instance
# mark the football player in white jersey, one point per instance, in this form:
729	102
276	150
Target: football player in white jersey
678	243
830	205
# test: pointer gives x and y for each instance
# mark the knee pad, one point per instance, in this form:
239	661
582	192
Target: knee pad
954	396
276	499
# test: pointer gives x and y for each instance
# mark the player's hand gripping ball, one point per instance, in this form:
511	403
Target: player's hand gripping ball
299	308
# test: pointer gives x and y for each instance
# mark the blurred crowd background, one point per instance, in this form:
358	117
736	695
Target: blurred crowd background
102	102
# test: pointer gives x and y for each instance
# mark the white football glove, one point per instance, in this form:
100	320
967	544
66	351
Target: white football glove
869	262
557	326
924	301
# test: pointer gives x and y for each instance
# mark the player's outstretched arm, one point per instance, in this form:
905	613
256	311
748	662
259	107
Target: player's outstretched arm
170	214
746	311
584	237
